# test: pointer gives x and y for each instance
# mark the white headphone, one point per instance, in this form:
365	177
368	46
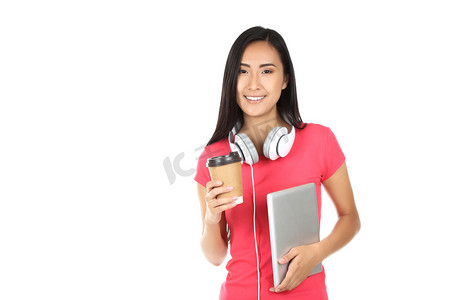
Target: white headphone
278	143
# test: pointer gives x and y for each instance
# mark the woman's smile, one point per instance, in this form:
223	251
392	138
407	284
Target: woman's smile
255	99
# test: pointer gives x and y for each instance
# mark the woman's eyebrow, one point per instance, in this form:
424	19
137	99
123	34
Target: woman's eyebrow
261	66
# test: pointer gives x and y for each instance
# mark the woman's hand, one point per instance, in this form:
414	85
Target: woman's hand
303	260
214	206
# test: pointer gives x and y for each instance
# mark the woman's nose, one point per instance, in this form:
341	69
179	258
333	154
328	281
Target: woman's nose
254	82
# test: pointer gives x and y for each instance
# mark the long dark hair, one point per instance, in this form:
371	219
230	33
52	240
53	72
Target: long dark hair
229	110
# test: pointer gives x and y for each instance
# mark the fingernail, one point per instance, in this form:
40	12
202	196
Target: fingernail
282	261
218	182
229	188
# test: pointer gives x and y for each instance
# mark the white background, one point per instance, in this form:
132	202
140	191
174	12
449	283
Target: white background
97	95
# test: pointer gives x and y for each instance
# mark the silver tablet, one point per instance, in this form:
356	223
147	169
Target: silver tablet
293	221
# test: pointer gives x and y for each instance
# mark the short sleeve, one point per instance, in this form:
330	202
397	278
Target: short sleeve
202	175
333	157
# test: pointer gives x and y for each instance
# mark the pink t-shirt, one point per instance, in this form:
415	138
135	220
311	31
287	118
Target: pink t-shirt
314	157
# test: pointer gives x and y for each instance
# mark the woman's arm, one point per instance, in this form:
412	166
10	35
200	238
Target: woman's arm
214	242
305	258
340	191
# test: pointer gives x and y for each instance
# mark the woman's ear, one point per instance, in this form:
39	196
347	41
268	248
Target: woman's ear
286	81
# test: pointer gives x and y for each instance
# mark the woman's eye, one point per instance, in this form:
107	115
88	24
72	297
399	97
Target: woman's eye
242	71
266	71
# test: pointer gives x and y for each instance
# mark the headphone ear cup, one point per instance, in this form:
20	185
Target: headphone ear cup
248	149
235	148
285	143
271	142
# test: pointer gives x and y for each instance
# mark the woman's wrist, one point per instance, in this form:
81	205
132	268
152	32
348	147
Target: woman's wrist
210	223
320	250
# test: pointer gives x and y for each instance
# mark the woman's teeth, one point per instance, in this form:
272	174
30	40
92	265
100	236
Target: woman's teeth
254	98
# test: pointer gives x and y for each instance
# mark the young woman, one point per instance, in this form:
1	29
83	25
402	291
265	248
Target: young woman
258	95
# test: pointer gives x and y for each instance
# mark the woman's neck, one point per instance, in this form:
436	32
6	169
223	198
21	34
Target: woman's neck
257	128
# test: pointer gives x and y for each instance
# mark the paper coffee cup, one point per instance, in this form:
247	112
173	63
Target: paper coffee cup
227	168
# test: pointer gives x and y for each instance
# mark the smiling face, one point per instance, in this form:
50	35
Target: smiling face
260	80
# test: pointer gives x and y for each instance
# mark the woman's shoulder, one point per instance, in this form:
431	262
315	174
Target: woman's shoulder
218	148
219	145
313	129
313	137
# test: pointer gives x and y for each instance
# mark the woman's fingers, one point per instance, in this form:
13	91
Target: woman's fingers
216	206
219	190
226	206
214	191
290	255
220	205
224	201
211	184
